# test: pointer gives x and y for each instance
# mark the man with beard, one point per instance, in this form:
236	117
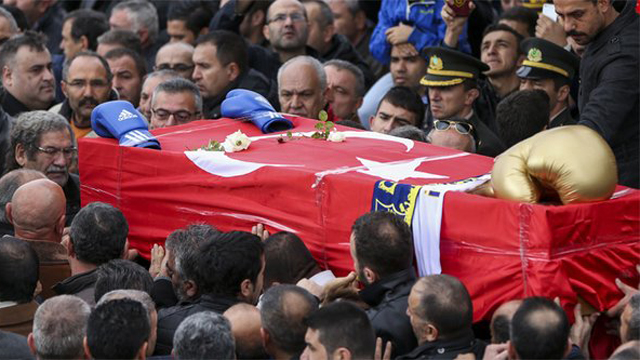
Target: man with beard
43	141
86	82
26	74
382	251
609	75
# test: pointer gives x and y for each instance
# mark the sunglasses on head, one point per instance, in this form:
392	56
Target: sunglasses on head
461	127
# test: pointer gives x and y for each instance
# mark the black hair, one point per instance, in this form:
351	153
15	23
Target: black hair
408	99
383	242
222	264
523	15
446	304
230	47
539	329
118	53
99	233
88	23
19	270
521	115
287	259
502	27
196	16
125	38
284	322
343	324
501	326
117	329
120	274
35	41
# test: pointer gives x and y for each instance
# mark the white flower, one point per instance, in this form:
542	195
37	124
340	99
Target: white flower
336	136
236	142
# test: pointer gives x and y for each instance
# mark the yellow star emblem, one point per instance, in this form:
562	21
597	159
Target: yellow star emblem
436	63
534	55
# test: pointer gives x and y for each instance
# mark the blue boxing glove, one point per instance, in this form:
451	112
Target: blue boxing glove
241	103
119	119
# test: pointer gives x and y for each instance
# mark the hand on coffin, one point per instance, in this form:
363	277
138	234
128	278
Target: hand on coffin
260	231
157	259
311	286
581	329
119	119
496	352
628	292
344	287
556	162
379	355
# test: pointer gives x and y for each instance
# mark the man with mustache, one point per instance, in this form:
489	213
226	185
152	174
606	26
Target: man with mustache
26	74
86	82
43	141
609	76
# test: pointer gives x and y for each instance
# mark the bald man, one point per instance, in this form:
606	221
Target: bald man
176	56
9	183
501	321
245	326
37	211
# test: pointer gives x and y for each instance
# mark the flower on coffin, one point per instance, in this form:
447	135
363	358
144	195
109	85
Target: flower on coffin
236	142
336	136
212	145
325	130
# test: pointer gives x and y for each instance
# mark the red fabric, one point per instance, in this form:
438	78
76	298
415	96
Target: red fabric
500	249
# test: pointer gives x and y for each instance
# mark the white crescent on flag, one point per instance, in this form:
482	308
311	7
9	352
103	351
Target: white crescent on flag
218	163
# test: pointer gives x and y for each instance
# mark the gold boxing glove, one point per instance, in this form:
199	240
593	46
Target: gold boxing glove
573	161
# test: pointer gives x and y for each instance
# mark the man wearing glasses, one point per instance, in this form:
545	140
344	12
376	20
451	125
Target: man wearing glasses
176	56
86	82
451	82
287	30
175	102
43	141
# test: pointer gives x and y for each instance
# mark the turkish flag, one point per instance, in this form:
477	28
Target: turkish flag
500	249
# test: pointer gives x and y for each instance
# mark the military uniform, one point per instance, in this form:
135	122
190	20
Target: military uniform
448	67
563	118
546	60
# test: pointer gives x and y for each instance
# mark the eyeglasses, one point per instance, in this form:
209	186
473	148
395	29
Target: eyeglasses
461	127
181	116
53	151
81	84
176	67
295	17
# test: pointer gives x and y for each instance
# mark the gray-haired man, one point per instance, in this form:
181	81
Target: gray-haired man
43	141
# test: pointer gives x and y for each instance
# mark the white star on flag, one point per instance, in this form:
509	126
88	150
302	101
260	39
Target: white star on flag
400	170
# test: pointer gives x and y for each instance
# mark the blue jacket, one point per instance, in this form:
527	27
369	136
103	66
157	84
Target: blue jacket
423	15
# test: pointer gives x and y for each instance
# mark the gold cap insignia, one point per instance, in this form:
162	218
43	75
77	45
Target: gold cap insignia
534	55
436	63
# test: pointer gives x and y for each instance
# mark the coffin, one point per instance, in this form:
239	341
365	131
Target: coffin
500	249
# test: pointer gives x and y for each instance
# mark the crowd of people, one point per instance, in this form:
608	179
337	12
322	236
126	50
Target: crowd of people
478	80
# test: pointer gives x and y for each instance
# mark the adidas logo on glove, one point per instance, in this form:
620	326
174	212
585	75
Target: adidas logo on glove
108	120
124	115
